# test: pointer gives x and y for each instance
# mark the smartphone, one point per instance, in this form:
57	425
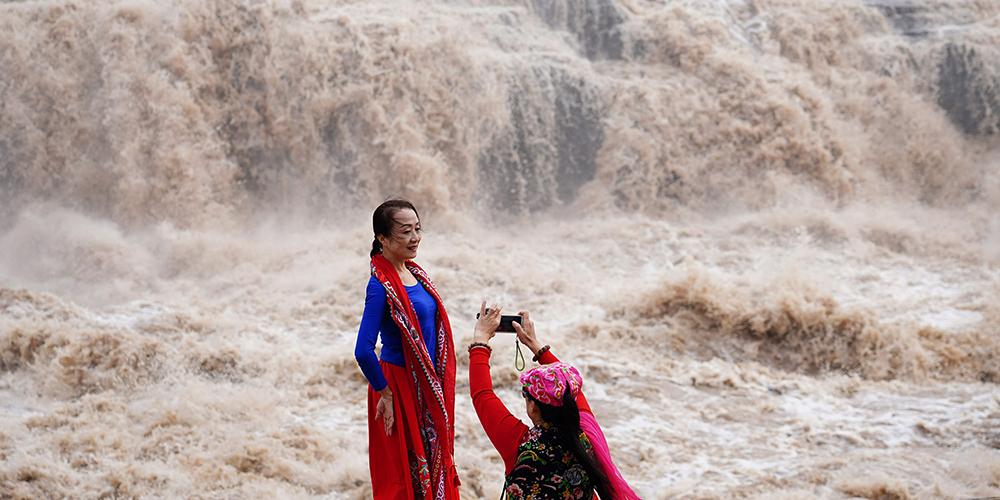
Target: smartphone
506	322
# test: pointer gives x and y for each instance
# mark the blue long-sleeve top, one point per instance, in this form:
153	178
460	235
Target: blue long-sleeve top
377	318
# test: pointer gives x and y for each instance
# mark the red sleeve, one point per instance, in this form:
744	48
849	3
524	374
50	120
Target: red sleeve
504	429
581	401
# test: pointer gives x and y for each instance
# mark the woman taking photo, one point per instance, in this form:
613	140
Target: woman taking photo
411	393
564	455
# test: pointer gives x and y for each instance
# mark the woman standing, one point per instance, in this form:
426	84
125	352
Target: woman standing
411	394
564	455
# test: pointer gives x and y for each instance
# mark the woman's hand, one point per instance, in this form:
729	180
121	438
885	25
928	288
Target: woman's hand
526	333
486	326
383	410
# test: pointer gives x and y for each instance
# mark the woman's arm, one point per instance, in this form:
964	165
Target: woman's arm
364	353
503	428
364	349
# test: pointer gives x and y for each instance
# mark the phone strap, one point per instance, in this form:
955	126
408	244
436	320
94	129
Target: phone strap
518	356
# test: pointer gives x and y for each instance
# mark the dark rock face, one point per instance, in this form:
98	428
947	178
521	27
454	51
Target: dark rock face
549	149
967	76
906	18
7	167
342	134
243	97
579	136
594	22
967	92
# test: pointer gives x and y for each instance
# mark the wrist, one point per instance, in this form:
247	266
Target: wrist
483	345
386	393
539	352
534	347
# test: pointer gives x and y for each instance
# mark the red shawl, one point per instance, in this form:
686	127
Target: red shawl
435	387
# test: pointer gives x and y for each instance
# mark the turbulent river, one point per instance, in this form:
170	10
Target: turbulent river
766	231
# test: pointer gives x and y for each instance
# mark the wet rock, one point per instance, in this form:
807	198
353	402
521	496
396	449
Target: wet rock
906	17
5	167
968	90
344	131
967	77
549	148
580	134
594	22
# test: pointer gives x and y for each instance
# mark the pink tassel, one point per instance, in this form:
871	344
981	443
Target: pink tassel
593	431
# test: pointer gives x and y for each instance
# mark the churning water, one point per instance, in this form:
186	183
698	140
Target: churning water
766	231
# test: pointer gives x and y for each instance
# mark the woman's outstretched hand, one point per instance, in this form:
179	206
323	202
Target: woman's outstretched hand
486	326
526	333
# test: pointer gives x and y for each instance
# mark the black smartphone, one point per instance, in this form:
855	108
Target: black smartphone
506	322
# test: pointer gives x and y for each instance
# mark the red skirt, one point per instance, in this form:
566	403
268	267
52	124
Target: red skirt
398	463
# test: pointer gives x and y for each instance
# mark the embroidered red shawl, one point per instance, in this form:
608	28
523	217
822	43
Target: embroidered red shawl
435	388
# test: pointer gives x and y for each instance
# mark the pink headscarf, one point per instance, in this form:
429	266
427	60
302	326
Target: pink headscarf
548	384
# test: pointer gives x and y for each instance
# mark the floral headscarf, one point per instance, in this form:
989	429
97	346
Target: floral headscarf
548	383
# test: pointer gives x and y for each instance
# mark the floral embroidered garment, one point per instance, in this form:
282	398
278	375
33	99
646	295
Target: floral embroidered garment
546	471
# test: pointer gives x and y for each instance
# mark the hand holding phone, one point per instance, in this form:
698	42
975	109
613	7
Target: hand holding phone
506	322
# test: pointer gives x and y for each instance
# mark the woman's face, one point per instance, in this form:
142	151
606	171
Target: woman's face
405	236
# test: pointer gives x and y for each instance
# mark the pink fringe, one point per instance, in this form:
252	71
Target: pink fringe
593	431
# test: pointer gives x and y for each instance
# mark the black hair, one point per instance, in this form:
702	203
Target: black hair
384	220
566	420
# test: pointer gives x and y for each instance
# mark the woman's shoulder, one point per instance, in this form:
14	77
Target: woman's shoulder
538	440
375	287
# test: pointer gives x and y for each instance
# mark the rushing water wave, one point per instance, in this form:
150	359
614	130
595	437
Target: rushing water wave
765	230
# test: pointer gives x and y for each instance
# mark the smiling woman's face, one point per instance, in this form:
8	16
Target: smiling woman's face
404	238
